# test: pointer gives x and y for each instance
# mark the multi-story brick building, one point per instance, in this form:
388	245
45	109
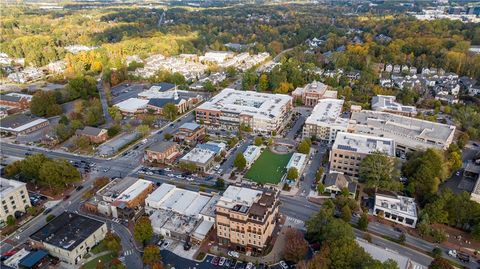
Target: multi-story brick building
349	150
14	99
263	112
163	152
95	135
190	133
311	93
246	218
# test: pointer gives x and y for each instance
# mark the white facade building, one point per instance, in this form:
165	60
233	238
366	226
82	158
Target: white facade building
399	209
325	122
14	197
251	154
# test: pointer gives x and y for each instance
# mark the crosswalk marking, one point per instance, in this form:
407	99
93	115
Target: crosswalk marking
295	220
128	252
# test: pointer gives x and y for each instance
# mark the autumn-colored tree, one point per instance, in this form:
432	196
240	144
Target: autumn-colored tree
143	230
296	246
440	263
263	82
151	255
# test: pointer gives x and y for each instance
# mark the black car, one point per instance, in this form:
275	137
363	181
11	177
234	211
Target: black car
48	210
79	188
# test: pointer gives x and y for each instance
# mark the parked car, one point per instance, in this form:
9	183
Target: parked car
79	188
452	253
233	254
283	264
48	210
464	257
215	260
221	262
249	266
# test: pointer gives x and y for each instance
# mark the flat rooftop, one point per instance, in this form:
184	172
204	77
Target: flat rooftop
365	144
404	130
297	160
327	112
20	122
67	231
387	102
401	204
264	106
235	195
134	190
162	146
7	186
198	156
114	188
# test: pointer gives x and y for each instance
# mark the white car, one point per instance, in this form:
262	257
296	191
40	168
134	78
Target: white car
249	266
233	254
171	175
190	179
149	173
283	264
452	253
168	169
222	261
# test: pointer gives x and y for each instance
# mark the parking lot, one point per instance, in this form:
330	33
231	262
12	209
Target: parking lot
123	92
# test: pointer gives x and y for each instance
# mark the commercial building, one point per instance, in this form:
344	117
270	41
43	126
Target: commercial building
14	198
384	254
132	106
298	161
163	152
386	103
311	93
21	124
201	158
190	133
409	134
396	208
70	236
336	182
251	154
325	122
14	99
263	112
95	135
120	198
246	218
180	213
349	150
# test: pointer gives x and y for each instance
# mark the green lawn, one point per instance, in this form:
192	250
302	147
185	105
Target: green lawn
269	167
105	260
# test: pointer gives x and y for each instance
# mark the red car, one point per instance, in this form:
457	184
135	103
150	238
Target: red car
9	253
215	261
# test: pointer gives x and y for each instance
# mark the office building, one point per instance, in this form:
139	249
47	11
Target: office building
409	134
311	93
163	152
325	122
22	124
263	112
202	159
190	133
69	236
246	218
396	208
14	198
251	154
349	150
387	103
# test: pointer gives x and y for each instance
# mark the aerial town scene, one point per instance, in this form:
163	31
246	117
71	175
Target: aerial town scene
205	134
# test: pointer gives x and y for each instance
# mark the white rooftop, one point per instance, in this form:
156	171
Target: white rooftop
402	204
132	105
297	160
7	186
387	103
134	190
365	144
238	195
327	112
251	153
258	105
198	155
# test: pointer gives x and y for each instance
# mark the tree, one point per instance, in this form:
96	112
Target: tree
240	163
363	222
115	113
346	213
296	247
151	255
143	230
167	136
10	220
50	217
208	86
320	188
232	142
170	111
114	130
263	83
44	103
304	147
113	242
380	171
258	141
143	130
440	263
292	173
82	142
220	183
188	166
249	79
319	174
284	88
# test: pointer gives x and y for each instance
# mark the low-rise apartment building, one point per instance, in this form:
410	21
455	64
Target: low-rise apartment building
325	122
14	197
263	112
396	208
163	152
409	133
349	150
311	93
190	133
387	103
246	218
70	236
